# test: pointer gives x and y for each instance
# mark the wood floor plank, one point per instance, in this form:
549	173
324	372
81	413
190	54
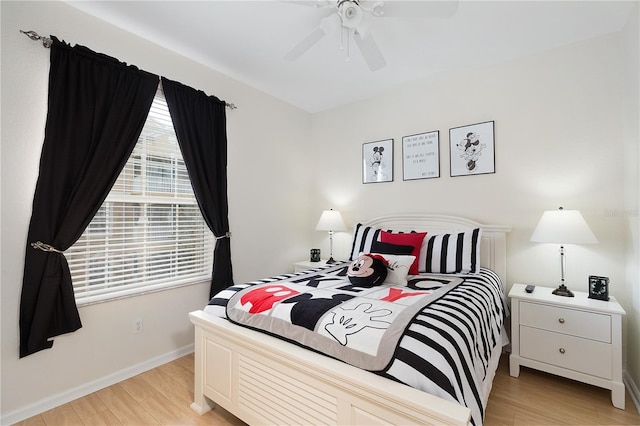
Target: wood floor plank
89	406
613	416
179	396
103	418
126	409
62	415
155	402
168	387
179	374
187	362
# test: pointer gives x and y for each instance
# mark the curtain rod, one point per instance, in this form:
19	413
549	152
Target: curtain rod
47	42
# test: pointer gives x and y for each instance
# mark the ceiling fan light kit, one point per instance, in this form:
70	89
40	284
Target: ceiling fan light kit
350	14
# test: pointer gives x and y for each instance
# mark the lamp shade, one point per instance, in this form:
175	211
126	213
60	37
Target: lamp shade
330	220
563	227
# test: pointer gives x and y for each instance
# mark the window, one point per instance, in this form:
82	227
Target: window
149	234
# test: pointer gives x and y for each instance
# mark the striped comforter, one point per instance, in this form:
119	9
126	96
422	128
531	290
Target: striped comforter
446	348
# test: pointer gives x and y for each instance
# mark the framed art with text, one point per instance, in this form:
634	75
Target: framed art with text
421	156
472	149
377	161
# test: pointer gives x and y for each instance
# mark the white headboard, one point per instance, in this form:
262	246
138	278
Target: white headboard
493	246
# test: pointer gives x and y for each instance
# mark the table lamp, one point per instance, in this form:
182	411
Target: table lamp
563	227
331	221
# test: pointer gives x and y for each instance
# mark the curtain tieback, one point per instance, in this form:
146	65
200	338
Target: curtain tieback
45	247
226	235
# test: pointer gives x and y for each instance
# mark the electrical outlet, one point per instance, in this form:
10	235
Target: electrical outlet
138	325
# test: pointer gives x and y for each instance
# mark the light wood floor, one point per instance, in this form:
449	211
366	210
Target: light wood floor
537	398
162	397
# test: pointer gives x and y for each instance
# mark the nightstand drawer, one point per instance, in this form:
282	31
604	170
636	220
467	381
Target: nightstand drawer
573	353
588	325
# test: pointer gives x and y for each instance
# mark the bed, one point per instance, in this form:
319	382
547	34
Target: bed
262	379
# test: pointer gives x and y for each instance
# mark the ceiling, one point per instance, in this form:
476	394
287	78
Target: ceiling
248	40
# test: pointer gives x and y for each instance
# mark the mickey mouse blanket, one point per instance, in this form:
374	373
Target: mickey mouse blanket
436	334
355	323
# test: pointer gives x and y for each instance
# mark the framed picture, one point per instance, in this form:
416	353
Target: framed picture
377	161
472	149
421	156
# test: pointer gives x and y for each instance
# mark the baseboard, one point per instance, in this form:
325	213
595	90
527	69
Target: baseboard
43	405
633	390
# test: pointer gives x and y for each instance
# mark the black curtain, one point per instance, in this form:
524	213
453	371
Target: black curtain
97	108
200	124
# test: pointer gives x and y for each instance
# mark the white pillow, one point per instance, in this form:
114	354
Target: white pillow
398	269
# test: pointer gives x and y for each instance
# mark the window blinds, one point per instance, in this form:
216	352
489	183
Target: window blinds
149	234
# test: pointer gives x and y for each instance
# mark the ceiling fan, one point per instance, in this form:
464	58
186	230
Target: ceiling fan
354	19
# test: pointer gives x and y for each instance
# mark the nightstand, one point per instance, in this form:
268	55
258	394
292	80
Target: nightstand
574	337
307	264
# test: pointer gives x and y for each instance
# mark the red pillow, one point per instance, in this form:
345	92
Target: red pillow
413	239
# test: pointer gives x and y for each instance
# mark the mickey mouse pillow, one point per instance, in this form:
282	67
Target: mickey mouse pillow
368	270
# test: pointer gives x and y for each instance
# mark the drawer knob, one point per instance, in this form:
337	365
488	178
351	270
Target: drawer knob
561	320
562	351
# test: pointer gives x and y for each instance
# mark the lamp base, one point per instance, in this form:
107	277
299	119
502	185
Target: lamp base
331	260
562	290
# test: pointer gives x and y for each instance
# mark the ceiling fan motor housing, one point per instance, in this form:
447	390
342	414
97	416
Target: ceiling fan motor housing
350	13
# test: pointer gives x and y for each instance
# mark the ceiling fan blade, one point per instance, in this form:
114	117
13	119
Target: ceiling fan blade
370	52
416	9
328	25
306	44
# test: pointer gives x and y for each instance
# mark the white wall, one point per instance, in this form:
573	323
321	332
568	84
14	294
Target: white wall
268	143
559	142
632	188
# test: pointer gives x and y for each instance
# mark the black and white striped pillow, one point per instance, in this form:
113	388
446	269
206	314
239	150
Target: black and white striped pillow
455	252
363	238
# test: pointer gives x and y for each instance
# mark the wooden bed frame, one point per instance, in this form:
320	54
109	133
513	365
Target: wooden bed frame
263	380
